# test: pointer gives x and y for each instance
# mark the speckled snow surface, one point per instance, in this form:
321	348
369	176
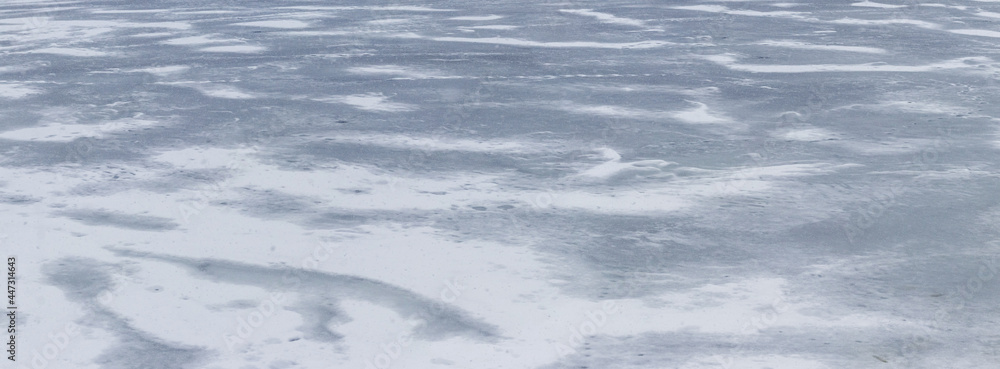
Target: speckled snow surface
497	184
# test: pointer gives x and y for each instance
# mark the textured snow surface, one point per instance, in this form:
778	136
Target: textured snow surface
498	184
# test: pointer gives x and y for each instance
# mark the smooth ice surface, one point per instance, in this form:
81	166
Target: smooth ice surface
689	184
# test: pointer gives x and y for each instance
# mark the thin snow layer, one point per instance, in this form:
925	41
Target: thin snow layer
549	44
432	143
197	40
222	91
399	71
216	90
699	114
47	29
366	301
16	90
806	17
907	106
315	185
975	62
808	46
243	49
480	18
976	32
872	4
808	134
750	13
65	132
755	362
400	8
382	192
163	71
496	27
988	14
284	23
614	168
153	34
882	22
67	51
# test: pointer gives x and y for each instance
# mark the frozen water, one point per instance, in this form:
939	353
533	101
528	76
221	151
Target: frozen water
596	184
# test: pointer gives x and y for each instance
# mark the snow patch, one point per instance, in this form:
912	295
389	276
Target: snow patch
700	114
16	90
224	92
60	132
614	168
370	102
808	134
605	17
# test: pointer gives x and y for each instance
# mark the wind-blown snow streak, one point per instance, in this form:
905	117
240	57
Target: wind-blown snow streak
700	114
960	63
976	32
284	24
431	143
401	8
808	46
872	4
65	132
477	18
551	44
402	72
605	17
749	13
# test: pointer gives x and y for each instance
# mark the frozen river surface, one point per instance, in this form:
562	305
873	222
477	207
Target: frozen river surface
498	184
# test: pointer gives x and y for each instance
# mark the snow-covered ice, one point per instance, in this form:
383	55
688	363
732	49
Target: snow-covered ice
687	184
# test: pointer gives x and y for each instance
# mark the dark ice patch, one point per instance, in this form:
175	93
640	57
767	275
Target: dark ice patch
241	304
120	220
6	198
441	320
80	279
270	204
316	315
330	219
84	281
136	351
117	180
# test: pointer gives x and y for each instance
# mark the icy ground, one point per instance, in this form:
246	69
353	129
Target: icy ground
498	184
